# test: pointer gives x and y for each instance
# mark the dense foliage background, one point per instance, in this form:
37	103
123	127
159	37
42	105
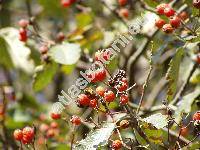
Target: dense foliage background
62	41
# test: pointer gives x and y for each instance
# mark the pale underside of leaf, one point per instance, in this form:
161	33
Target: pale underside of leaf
19	53
184	106
66	53
96	138
157	120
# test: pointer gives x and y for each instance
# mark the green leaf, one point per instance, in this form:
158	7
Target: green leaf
44	75
157	120
20	116
52	8
83	19
152	127
66	53
151	3
173	73
193	146
68	69
5	56
19	53
184	106
195	79
28	100
154	135
97	137
192	39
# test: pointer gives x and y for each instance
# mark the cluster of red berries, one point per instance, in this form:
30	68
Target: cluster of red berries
67	3
26	135
49	130
23	35
88	99
174	21
123	12
118	83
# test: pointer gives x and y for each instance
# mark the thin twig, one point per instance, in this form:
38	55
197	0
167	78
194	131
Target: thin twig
144	89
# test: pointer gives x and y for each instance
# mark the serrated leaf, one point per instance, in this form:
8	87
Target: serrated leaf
19	53
154	135
157	120
95	138
184	106
152	127
44	75
5	56
66	53
173	73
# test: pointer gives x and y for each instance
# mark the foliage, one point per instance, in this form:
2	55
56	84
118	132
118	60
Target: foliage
57	92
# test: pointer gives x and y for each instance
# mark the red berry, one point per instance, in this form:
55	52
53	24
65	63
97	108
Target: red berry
183	15
196	116
122	2
160	8
122	86
100	74
23	23
123	99
60	36
117	144
167	28
83	100
23	35
175	22
44	127
93	103
109	96
100	90
198	58
55	116
43	49
65	3
54	125
125	80
50	133
28	134
196	4
124	12
184	131
75	120
160	23
169	11
18	135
